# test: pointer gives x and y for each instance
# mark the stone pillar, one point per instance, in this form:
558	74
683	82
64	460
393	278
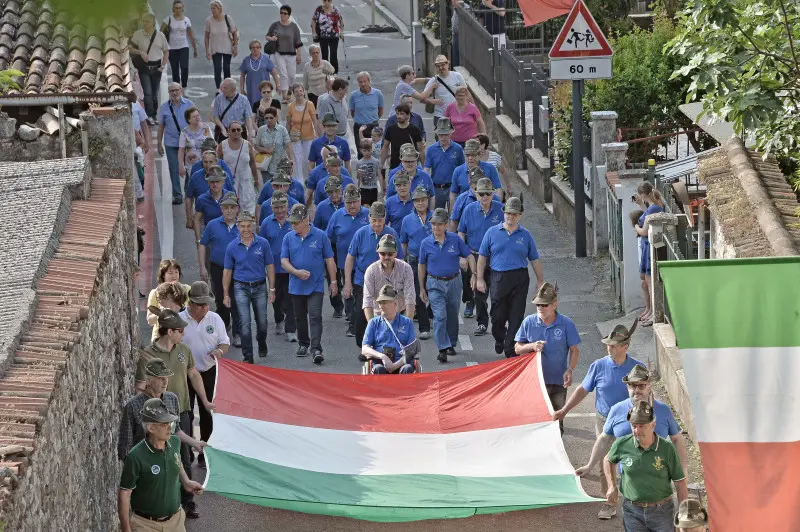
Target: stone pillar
604	130
111	145
615	155
632	297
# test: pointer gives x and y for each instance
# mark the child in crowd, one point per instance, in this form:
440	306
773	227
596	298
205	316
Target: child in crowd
367	173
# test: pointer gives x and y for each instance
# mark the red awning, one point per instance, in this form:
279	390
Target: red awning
537	11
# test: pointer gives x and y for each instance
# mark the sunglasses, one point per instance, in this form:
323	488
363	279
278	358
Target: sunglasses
284	13
541	305
386	254
484	194
640	386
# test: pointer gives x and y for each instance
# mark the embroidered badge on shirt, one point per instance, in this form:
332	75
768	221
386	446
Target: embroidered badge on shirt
520	241
658	463
155	469
209	329
627	461
181	357
558	333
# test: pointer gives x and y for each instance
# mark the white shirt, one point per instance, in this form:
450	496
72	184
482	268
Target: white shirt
453	80
177	32
139	116
204	337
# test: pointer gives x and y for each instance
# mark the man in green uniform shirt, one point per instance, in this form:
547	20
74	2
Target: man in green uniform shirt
650	465
152	476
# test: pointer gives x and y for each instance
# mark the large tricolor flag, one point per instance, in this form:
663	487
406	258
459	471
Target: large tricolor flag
438	445
737	323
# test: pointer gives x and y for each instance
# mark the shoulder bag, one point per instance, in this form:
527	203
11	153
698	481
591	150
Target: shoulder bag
218	136
140	63
167	28
271	47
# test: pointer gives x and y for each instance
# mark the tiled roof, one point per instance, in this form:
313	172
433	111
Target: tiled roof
59	54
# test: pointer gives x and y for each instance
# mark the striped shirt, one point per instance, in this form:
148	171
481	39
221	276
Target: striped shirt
131	431
495	159
239	111
401	278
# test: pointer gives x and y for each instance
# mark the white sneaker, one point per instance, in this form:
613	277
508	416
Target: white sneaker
607	511
280	328
291	337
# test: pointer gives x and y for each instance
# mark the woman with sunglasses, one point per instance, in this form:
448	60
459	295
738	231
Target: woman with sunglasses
288	49
266	89
241	158
327	27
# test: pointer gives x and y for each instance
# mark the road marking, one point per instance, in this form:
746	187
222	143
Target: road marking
581	414
162	197
460	319
472	364
358	46
464	341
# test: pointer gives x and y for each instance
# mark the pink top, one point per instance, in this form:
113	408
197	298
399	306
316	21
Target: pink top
465	124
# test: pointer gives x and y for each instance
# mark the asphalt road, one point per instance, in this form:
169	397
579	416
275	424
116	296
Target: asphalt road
584	294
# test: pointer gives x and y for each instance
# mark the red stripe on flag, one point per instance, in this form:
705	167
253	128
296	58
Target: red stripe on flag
753	486
537	11
487	396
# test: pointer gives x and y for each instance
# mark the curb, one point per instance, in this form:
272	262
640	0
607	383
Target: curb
393	20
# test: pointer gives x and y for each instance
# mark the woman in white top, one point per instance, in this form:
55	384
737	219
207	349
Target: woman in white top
316	74
496	160
241	159
222	41
150	51
191	139
178	27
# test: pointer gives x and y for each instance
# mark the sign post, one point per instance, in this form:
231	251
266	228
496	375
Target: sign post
580	52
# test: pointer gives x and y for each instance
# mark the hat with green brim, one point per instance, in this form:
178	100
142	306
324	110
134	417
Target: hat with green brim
377	210
333	160
387	244
620	335
351	193
409	153
200	294
155	411
156	367
443	127
333	183
420	193
472	147
279	197
285	164
546	295
229	198
386	293
401	178
439	216
513	206
298	213
475	175
329	119
690	514
169	319
638	373
484	186
245	216
281	178
215	173
641	413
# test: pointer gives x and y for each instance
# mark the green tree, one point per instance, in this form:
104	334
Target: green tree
743	60
7	80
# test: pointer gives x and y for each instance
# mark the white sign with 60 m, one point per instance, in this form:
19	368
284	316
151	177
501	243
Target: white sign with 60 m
580	68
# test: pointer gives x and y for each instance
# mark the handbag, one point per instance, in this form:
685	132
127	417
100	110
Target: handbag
218	136
295	136
140	63
271	47
263	160
167	28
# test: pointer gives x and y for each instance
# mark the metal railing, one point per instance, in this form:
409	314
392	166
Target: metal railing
615	242
475	50
542	138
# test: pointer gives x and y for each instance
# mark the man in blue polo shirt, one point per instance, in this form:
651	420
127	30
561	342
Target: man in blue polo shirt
218	233
478	217
295	190
441	160
197	184
329	123
171	121
507	249
249	264
366	106
334	166
390	340
274	227
306	253
555	338
401	204
342	226
362	252
616	426
321	170
210	145
280	183
408	164
460	182
439	270
207	206
326	208
415	228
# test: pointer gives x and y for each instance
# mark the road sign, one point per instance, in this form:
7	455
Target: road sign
581	68
580	36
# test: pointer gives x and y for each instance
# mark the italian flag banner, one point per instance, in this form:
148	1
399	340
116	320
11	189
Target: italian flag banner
393	448
737	323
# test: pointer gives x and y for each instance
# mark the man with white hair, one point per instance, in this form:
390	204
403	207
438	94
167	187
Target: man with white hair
366	106
230	106
171	121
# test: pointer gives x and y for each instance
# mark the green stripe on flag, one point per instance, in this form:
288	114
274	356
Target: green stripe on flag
734	303
384	498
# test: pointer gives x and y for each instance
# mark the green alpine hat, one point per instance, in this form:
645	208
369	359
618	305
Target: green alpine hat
215	173
329	119
386	293
156	367
298	213
484	186
333	183
472	147
419	192
401	178
475	175
641	413
155	411
513	206
279	197
639	373
245	216
281	178
387	244
439	216
377	210
620	335
351	193
229	198
546	295
169	319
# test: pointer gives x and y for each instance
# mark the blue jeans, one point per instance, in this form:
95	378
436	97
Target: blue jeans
657	518
445	298
174	177
150	78
380	369
245	295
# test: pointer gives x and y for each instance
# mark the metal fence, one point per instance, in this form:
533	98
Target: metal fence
615	242
542	137
475	50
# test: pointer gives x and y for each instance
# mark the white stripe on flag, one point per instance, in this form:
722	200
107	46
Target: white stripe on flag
364	453
744	394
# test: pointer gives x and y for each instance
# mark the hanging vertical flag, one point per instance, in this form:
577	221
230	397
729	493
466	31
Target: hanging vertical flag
737	323
437	445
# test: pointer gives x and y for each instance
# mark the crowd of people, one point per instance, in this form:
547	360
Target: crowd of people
399	237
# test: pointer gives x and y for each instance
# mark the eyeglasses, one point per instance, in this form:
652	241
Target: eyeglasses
179	330
640	386
386	254
542	305
284	13
174	90
484	194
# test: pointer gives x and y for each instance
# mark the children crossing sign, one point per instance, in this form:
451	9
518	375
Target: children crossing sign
580	51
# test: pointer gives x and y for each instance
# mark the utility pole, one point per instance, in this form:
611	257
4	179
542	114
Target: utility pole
577	167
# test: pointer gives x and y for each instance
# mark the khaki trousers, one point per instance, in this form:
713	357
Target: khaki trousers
175	524
599	422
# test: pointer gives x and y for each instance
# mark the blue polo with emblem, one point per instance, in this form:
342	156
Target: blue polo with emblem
475	222
443	260
559	336
325	210
196	167
617	424
209	207
315	151
378	334
249	263
274	231
605	379
397	210
341	229
318	173
364	246
506	251
198	184
460	181
418	179
462	200
443	162
319	192
296	191
413	231
307	253
216	236
266	208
